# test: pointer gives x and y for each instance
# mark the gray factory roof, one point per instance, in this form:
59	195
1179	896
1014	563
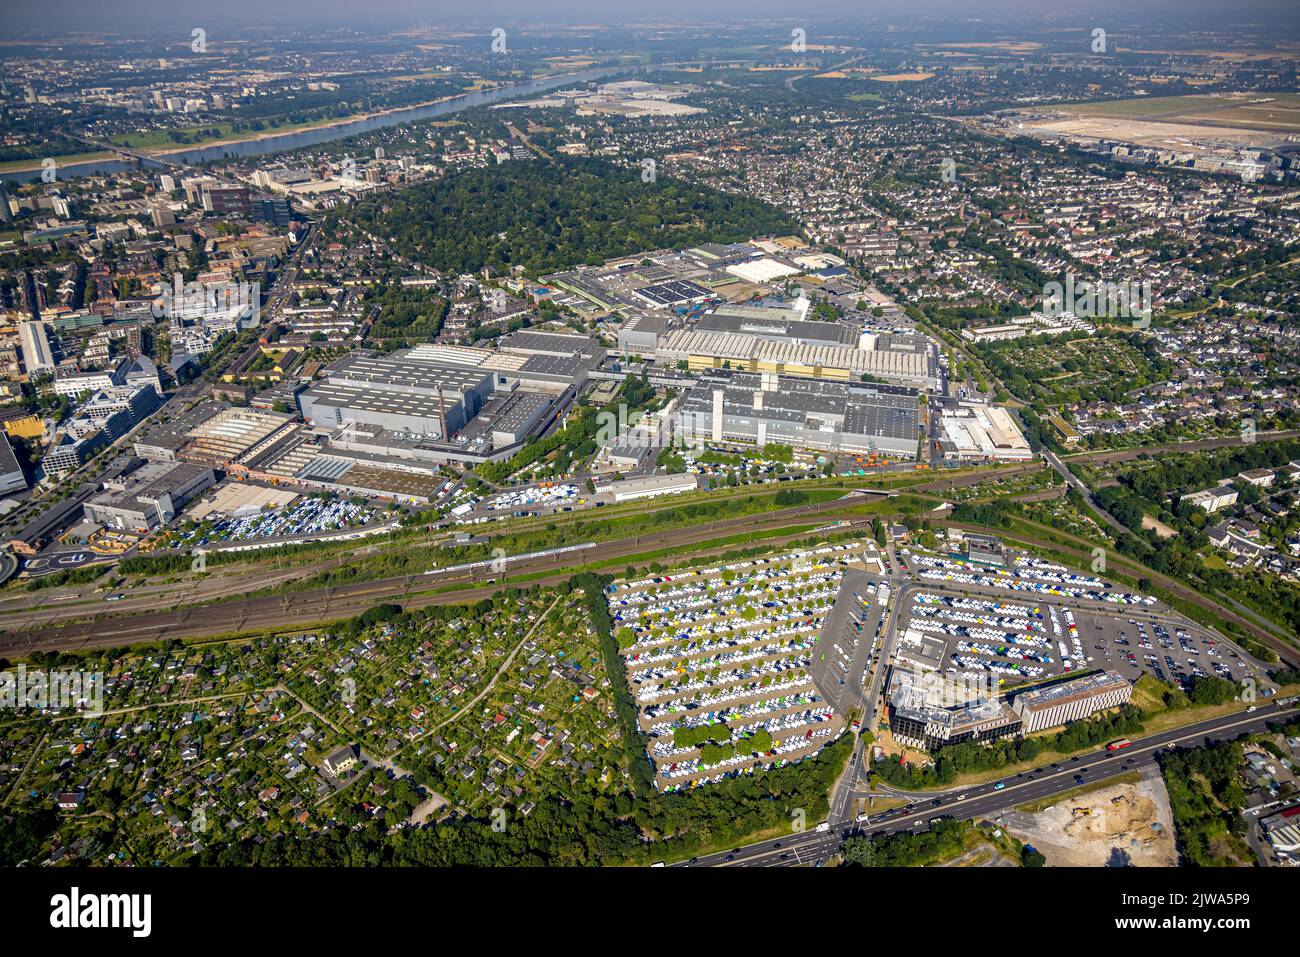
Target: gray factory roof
777	326
400	370
902	342
672	292
728	251
860	410
176	432
550	343
649	323
866	419
564	368
147	483
787	352
8	461
369	399
516	410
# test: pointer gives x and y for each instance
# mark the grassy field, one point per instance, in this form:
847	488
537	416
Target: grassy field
1281	111
1166	106
160	140
902	77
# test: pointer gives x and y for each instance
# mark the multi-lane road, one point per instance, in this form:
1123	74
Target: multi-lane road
991	798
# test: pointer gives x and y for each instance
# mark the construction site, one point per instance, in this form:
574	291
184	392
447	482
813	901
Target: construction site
1122	824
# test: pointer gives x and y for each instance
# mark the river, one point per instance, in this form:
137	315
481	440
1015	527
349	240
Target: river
325	134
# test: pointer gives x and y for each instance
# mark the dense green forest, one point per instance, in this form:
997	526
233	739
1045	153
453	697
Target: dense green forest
410	313
940	841
1207	799
552	215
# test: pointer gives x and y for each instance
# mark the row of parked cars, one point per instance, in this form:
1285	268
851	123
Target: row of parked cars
736	681
303	517
1035	580
1155	650
544	496
729	647
704	614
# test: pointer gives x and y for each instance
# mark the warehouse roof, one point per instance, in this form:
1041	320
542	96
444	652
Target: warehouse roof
400	369
907	365
778	326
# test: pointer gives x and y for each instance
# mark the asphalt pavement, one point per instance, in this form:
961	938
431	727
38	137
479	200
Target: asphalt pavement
989	799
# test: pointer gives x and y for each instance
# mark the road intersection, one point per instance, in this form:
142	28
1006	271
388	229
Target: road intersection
990	798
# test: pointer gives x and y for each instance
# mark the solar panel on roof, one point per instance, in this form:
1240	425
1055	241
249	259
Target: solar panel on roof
325	468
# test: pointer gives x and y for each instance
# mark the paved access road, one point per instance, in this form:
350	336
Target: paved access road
870	701
988	800
1077	484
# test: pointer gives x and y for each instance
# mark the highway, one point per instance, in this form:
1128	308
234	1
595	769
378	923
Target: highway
988	800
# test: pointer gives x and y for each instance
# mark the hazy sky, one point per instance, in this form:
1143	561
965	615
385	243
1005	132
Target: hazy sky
129	16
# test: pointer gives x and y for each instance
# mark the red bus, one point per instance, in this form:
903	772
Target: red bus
1117	745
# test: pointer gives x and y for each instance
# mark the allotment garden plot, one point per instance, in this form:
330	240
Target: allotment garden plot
719	662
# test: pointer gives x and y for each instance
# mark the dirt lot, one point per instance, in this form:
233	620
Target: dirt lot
1116	830
1163	530
983	855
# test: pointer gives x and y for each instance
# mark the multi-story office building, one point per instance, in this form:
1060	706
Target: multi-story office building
226	200
1071	700
924	715
150	496
277	212
68	454
136	401
194	187
1212	499
932	728
114	423
161	215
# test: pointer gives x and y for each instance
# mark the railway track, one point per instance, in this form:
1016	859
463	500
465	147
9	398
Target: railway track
309	608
